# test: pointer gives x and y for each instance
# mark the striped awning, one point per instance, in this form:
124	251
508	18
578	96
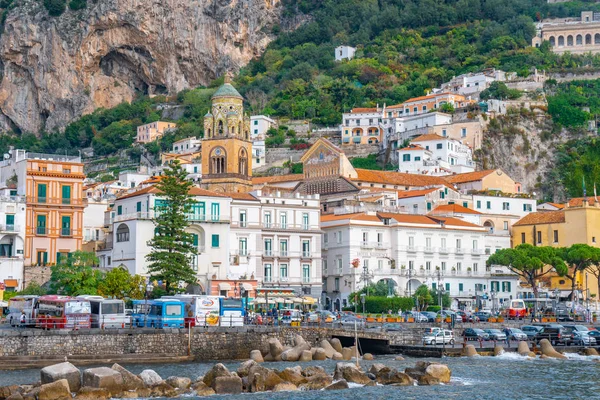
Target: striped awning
247	286
224	286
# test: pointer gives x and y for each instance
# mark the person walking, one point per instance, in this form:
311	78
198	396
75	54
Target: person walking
275	316
23	319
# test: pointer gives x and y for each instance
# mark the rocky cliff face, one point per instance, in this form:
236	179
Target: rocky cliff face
57	68
523	145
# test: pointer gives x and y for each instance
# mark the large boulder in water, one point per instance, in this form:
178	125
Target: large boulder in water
470	351
341	384
548	350
291	375
439	371
216	371
103	378
245	367
256	355
523	349
336	344
329	350
498	350
590	351
275	347
390	376
150	377
350	373
319	354
130	380
58	390
317	382
64	370
228	384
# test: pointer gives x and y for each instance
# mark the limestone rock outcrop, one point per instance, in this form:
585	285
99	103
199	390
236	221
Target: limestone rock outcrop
56	69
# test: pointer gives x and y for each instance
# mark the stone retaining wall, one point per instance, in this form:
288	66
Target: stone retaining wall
205	343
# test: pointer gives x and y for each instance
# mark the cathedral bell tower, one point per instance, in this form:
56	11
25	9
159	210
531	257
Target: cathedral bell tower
226	147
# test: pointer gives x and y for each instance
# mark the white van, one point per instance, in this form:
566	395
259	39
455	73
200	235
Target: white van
19	305
107	313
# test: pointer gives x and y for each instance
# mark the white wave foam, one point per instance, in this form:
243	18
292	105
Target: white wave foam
456	380
579	357
513	357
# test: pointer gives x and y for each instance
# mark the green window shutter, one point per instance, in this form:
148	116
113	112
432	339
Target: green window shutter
428	206
45	257
460	287
58	258
138	206
66	194
447	287
433	285
41	192
215	240
195	239
65	226
41	225
465	204
508	286
119	210
10	219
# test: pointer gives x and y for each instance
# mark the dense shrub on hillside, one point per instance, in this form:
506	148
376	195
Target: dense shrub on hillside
55	7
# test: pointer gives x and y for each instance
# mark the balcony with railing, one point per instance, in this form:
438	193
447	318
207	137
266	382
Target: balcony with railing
41	230
66	232
477	252
9	228
55	201
192	217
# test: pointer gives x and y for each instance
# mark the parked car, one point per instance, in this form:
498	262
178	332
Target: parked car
475	334
582	338
467	317
483	316
440	337
392	327
326	316
351	321
531	330
416	315
554	335
495	334
515	334
312	318
431	316
572	329
595	334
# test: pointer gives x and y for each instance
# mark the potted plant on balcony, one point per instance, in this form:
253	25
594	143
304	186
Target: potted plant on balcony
370	318
355	263
410	318
379	318
438	318
390	318
448	319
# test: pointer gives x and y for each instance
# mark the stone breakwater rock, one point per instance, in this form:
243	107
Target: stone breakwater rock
306	355
317	382
256	355
549	351
319	354
294	353
130	380
103	378
350	373
150	377
336	344
523	349
329	350
348	353
216	371
590	351
58	390
245	367
375	368
367	357
201	389
399	358
390	376
440	372
88	393
285	387
470	351
341	384
60	371
498	350
275	347
313	370
228	385
179	383
293	376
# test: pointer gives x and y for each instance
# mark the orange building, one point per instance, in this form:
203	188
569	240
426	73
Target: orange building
53	188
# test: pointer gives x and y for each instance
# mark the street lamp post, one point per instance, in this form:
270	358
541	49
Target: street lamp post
493	294
363	300
146	288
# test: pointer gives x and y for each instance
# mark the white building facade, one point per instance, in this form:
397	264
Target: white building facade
259	125
435	155
12	234
407	251
344	53
259	154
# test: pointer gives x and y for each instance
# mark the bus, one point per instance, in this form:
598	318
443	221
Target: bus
62	312
165	313
107	313
139	314
231	312
516	309
200	310
19	305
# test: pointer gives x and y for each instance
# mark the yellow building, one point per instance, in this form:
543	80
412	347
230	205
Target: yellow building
150	132
226	148
563	228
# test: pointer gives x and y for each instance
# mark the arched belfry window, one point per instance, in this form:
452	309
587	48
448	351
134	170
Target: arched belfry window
243	162
220	128
218	161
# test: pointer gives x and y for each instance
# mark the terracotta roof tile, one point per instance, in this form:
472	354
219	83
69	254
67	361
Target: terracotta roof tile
468	176
194	191
413	147
259	180
363	110
242	196
397	178
457	222
409	218
353	217
542	217
454	208
406	194
428	137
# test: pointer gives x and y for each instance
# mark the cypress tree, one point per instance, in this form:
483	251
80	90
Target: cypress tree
172	247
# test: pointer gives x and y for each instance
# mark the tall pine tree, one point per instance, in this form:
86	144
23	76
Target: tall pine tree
172	247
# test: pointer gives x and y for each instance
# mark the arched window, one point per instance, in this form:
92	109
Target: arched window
597	38
561	40
588	39
579	40
552	41
218	161
246	135
209	132
239	128
243	162
570	40
220	128
123	233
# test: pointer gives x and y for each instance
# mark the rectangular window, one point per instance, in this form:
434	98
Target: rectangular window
42	257
463	132
444	133
447	287
283	271
380	239
379	264
417	158
243	246
10	222
243	219
523	237
305	221
119	210
283	220
324	266
428	243
138	206
428	265
66	194
267	219
405	157
475	266
539	237
194	240
365	237
339	237
41	225
215	241
439	146
443	243
505	225
411	265
505	206
336	284
433	285
65	228
268	247
306	273
475	245
478	203
443	265
489	205
428	206
458	244
41	192
527	207
215	212
555	236
411	242
306	248
458	266
283	248
268	273
461	287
